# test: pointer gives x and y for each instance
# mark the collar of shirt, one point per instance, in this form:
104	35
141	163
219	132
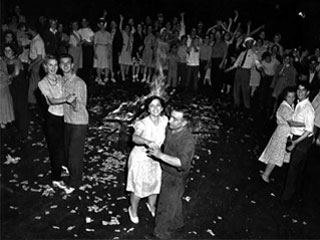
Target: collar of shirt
69	79
36	36
304	101
53	30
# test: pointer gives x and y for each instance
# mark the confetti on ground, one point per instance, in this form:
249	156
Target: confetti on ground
11	160
90	230
70	228
210	232
187	198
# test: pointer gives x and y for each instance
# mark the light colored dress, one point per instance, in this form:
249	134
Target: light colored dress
102	42
125	56
76	51
6	105
144	173
275	151
148	51
316	107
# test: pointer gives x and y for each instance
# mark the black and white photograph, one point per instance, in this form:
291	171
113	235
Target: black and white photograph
158	119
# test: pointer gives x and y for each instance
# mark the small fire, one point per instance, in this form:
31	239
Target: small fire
158	87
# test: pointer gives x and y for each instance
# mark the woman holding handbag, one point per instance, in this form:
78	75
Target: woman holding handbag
275	153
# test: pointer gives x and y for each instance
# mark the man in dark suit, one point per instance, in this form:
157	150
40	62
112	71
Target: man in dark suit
313	78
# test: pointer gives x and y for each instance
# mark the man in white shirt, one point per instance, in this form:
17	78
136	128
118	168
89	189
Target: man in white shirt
301	141
193	60
245	61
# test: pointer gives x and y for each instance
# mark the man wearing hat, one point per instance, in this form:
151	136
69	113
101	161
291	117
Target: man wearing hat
245	61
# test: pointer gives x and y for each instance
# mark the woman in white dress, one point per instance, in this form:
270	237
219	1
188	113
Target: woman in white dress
275	153
144	174
75	47
125	59
102	45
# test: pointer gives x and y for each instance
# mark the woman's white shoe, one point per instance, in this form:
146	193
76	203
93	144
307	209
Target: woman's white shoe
132	218
153	212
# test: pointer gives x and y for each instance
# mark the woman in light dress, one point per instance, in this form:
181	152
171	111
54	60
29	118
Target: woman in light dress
6	105
144	174
275	153
102	45
125	59
75	47
148	55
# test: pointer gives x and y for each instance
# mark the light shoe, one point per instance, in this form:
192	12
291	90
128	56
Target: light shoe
265	179
153	212
133	219
69	190
113	80
59	184
106	80
65	171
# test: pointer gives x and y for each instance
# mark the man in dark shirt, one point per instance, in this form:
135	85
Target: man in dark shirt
176	157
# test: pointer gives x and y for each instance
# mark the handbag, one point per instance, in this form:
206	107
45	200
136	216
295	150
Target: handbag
288	143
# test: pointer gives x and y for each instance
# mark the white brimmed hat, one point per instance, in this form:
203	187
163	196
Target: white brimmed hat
247	39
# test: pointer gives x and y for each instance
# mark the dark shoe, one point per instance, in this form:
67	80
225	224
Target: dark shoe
177	230
150	237
176	233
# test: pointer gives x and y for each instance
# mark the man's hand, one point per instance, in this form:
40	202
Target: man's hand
71	98
291	147
155	151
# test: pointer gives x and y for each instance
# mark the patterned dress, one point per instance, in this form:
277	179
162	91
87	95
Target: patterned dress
76	51
275	151
148	51
144	173
125	56
102	42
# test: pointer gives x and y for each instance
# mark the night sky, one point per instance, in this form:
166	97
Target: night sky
278	15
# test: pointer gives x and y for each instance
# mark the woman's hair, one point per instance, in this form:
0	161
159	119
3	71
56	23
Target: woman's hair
287	90
13	47
21	25
265	55
150	99
49	57
46	60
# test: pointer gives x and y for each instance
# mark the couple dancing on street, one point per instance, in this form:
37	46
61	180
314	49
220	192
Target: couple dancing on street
158	166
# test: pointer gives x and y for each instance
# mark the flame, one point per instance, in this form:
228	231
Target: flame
158	87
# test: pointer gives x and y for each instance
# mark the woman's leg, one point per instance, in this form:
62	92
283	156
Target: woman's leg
122	69
106	74
99	70
266	174
152	199
134	200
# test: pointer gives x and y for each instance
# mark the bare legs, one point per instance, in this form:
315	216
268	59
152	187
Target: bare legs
124	71
266	174
134	200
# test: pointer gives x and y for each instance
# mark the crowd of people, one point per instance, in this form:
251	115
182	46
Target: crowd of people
46	58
